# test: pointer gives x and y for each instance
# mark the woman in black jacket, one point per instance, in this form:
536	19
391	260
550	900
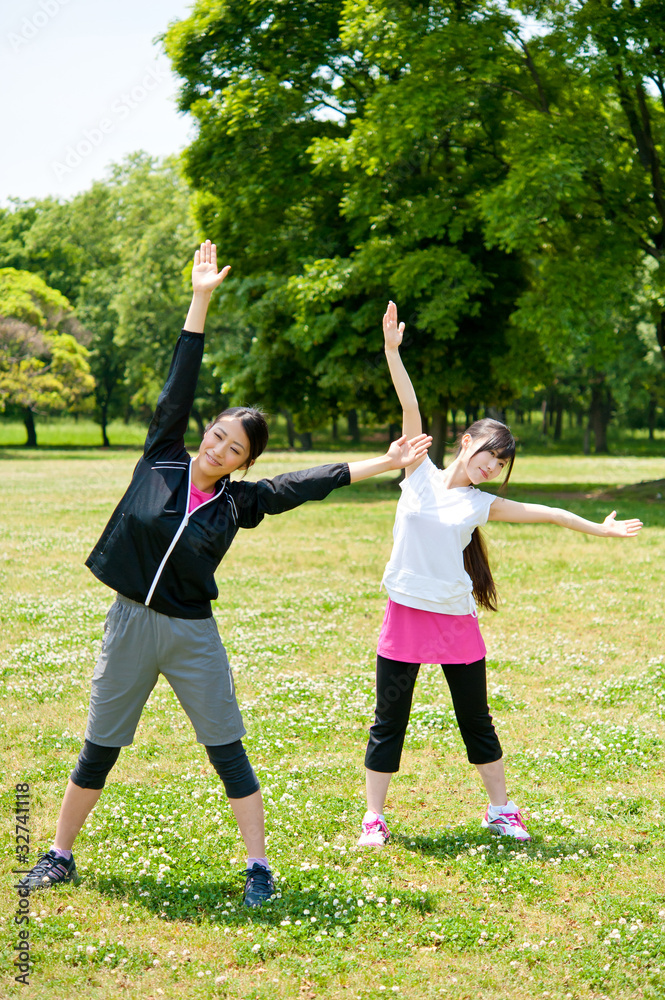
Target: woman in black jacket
160	551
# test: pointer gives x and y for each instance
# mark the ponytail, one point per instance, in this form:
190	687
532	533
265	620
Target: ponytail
477	565
491	435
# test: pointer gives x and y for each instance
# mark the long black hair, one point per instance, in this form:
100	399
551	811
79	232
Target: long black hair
491	435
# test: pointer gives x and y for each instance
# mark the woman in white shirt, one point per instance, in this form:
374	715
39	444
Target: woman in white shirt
437	572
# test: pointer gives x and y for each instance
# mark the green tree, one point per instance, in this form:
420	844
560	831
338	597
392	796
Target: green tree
43	366
354	146
88	248
582	199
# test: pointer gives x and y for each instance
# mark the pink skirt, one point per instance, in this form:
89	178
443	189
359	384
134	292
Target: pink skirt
415	636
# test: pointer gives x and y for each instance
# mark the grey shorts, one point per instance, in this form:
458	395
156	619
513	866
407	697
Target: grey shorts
140	644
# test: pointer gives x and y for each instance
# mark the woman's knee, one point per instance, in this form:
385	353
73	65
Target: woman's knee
94	764
233	767
481	741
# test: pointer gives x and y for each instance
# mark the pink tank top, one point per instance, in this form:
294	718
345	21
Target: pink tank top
197	497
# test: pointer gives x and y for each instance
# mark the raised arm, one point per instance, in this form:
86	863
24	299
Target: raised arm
205	279
392	337
401	454
536	513
171	417
291	489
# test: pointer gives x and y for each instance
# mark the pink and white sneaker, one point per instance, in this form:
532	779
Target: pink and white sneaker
375	833
506	821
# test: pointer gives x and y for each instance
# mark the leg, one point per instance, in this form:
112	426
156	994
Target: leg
377	783
83	791
249	817
76	806
242	788
494	780
395	681
468	689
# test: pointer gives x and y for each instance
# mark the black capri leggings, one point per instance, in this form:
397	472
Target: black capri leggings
395	681
229	760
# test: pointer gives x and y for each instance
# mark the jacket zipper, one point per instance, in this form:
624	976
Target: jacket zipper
181	528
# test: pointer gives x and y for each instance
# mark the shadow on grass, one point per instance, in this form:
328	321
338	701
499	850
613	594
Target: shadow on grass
451	844
220	903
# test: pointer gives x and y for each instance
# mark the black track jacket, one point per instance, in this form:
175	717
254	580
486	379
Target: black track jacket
152	550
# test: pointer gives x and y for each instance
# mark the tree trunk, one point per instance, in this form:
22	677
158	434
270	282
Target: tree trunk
290	433
335	429
354	430
660	332
198	420
600	410
394	432
29	421
651	417
558	425
439	431
305	440
543	409
103	423
453	424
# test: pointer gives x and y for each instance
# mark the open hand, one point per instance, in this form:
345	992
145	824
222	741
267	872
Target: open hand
621	529
392	332
403	453
205	277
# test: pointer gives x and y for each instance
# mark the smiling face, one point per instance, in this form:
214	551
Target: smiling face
481	464
224	449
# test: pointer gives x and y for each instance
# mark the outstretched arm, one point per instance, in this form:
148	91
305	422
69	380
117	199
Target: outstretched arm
205	279
536	513
392	338
400	455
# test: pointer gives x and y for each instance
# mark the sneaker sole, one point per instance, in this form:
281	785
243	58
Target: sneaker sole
501	833
371	843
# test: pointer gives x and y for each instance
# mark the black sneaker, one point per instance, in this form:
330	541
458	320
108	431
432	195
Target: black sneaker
50	870
259	885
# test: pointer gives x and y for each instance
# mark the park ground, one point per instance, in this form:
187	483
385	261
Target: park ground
576	684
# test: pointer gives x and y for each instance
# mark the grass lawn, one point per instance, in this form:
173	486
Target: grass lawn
577	688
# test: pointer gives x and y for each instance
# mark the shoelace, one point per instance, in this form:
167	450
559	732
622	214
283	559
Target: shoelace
375	826
44	864
515	819
261	878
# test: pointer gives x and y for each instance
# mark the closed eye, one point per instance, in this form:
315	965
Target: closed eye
222	437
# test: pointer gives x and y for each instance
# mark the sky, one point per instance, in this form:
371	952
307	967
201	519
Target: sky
84	84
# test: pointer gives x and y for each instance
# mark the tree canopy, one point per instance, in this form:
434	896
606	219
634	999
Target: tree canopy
43	366
456	157
496	169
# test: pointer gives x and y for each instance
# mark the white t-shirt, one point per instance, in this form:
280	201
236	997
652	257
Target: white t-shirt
433	526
